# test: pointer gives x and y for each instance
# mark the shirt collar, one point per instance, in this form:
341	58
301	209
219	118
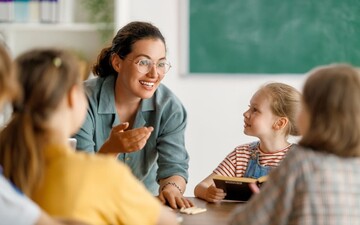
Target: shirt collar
107	96
148	104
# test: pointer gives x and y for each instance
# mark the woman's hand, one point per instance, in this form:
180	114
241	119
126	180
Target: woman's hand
171	192
126	141
172	197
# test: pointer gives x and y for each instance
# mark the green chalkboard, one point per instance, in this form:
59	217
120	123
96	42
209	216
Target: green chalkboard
271	36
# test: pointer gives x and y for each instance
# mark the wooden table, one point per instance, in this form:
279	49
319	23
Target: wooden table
216	214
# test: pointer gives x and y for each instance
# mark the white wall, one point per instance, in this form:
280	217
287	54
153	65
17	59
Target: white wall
214	103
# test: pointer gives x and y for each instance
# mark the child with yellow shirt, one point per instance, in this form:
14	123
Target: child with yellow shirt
37	157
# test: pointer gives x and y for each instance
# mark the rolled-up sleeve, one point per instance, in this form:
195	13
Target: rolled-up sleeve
173	156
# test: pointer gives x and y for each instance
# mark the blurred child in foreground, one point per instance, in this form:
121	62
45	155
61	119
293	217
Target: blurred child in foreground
36	155
15	207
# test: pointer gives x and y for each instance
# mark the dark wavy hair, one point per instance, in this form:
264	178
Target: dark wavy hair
122	45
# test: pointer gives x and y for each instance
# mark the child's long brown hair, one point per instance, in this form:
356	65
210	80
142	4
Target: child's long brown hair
331	96
45	76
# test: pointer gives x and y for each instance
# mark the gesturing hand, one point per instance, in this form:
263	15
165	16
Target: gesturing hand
126	141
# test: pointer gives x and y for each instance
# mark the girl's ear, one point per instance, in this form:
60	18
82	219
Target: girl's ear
116	62
72	96
280	123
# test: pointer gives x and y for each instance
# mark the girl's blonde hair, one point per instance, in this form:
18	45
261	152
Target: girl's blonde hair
331	95
45	76
285	102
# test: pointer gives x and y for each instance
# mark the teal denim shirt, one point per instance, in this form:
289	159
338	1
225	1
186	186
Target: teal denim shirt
164	154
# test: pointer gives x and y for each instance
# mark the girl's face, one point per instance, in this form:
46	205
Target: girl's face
259	119
303	119
131	82
80	108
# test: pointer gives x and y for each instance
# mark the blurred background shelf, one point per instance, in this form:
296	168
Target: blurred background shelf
81	26
81	38
34	27
78	25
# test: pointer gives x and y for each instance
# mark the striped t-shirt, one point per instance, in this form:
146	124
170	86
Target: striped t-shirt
235	163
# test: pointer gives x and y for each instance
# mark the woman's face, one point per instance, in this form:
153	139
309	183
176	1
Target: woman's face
132	83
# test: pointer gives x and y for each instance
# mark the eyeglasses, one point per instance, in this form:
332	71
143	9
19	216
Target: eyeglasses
145	65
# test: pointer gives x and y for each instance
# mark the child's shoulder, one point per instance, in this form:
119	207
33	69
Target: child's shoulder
250	146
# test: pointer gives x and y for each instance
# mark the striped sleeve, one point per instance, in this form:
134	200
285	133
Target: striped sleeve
235	163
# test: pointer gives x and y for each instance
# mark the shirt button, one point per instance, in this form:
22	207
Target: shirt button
127	158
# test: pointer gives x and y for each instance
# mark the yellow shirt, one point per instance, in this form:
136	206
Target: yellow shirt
95	189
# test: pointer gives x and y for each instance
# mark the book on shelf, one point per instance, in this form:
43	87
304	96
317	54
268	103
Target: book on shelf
49	11
6	11
35	11
237	188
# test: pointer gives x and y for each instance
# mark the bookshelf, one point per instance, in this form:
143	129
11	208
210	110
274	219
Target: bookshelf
82	38
72	30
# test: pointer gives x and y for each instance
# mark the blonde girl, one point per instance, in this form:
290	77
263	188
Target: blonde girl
271	118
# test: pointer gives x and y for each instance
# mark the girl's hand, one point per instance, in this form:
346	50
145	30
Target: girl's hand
255	189
214	194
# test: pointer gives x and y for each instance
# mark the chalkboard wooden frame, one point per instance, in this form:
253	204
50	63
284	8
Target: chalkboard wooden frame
342	43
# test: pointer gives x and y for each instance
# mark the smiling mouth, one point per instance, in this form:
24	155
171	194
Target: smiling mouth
148	84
